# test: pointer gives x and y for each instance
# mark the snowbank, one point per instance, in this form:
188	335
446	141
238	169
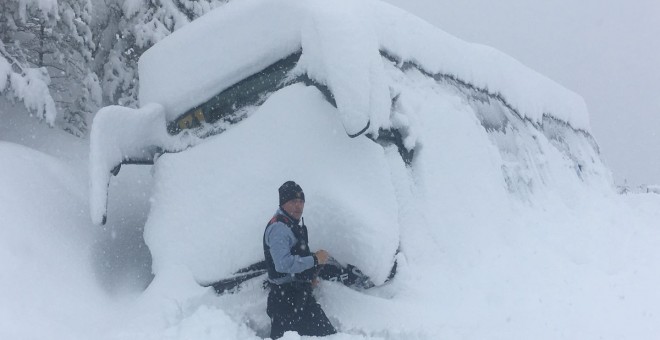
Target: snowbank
46	274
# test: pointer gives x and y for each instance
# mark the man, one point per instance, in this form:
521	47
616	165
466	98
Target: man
292	270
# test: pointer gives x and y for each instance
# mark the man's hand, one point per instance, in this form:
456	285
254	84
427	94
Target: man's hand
322	256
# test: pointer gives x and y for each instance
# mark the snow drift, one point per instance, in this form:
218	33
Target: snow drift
47	279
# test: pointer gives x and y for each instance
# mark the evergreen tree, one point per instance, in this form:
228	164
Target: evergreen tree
49	46
63	64
129	28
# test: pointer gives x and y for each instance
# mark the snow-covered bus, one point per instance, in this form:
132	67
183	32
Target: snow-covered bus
399	133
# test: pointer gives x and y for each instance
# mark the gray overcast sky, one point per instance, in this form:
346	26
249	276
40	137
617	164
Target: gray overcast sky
608	51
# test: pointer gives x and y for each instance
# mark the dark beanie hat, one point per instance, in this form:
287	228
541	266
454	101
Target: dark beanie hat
289	191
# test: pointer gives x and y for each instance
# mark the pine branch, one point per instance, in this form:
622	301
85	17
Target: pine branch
11	58
55	67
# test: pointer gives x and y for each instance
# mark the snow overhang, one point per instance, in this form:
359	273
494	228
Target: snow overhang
340	42
123	135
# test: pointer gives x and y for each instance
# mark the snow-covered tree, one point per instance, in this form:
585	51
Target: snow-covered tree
27	84
49	47
63	61
130	27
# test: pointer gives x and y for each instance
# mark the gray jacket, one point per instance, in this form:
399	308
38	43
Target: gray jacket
280	239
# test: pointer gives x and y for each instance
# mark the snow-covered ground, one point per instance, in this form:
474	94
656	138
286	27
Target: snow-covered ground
507	222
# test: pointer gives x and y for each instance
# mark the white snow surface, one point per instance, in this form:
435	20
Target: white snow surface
120	133
48	289
213	201
203	58
477	259
514	233
340	45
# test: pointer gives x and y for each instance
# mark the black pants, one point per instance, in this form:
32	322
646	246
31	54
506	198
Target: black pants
291	307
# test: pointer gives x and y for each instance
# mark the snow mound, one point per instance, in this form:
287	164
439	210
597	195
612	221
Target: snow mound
212	202
46	274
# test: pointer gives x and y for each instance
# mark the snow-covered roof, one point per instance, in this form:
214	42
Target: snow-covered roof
341	42
216	51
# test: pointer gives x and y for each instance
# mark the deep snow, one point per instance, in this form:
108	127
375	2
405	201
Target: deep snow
212	201
340	46
508	229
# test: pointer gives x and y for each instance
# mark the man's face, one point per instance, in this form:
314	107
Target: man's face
294	208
